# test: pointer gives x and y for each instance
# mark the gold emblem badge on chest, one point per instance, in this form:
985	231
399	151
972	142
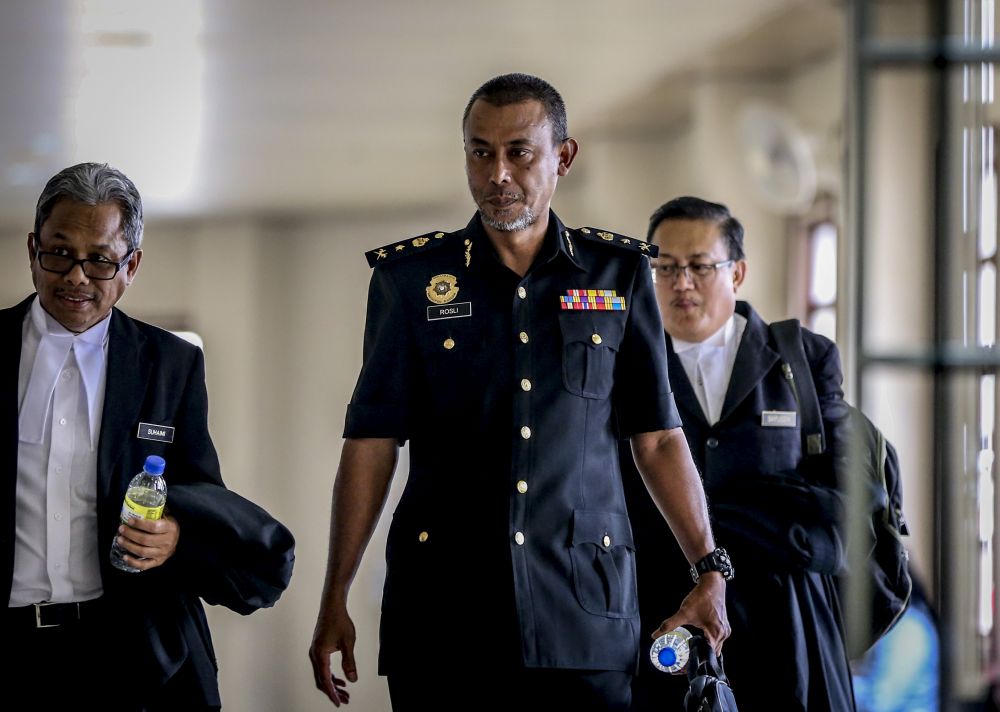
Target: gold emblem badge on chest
442	289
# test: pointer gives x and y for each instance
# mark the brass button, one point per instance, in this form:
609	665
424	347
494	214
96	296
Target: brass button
522	292
606	541
523	336
422	536
449	344
596	338
519	538
525	432
522	486
525	384
438	235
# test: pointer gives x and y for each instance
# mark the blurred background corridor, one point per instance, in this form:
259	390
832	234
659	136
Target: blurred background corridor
274	143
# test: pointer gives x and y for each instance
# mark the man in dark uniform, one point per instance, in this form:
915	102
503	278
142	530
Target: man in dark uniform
512	354
740	417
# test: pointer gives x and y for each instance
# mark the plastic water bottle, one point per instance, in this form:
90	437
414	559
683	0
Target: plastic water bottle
670	651
144	499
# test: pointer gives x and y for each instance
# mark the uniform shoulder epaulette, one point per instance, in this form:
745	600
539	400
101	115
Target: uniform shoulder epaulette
410	246
606	237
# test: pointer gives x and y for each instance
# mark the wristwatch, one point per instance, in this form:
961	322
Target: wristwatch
717	560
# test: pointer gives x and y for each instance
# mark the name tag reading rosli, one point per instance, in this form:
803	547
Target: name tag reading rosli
778	418
449	311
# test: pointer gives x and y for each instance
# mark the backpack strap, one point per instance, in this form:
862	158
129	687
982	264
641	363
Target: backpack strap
788	338
703	661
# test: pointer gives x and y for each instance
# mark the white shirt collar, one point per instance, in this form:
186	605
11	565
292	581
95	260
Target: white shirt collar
709	365
44	324
722	337
54	345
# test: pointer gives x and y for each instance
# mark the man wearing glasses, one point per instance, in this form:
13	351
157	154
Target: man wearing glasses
87	393
739	412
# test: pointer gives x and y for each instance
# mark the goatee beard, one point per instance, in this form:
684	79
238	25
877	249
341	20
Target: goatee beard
522	222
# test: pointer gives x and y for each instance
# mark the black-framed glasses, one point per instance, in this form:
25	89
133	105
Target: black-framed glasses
92	268
694	270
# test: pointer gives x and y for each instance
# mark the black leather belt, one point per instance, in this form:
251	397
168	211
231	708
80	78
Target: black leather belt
51	615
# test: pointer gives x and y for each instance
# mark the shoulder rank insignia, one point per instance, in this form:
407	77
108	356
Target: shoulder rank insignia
593	234
412	246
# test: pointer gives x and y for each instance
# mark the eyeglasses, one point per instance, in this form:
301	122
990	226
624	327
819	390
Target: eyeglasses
92	268
694	270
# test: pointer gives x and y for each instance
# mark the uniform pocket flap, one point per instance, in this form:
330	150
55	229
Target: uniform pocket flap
604	529
593	328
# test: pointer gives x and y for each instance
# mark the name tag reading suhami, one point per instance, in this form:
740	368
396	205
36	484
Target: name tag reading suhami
778	418
151	431
449	311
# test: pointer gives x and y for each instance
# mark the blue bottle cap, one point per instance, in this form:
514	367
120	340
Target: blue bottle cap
667	657
154	465
669	652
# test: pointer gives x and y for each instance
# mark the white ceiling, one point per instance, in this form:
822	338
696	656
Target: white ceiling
223	106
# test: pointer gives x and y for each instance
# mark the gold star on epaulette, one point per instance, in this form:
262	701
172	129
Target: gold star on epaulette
604	237
411	246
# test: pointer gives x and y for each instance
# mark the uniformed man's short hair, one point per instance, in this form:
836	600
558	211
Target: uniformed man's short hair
92	184
514	88
689	208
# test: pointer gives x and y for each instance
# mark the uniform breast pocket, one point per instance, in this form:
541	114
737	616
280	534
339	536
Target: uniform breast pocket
590	345
603	557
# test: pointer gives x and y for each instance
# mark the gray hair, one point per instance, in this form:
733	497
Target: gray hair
93	184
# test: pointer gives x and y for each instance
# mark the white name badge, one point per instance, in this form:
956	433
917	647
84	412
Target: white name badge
778	418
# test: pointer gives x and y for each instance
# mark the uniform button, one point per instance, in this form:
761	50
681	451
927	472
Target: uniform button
449	344
525	432
62	421
519	538
57	516
525	384
522	486
523	336
58	469
522	292
596	338
422	536
606	541
67	374
712	442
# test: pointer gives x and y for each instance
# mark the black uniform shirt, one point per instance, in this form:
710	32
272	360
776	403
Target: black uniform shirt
512	398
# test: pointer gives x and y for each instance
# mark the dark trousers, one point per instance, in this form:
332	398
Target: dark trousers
86	662
524	690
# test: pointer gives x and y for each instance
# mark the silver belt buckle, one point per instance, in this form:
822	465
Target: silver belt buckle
38	615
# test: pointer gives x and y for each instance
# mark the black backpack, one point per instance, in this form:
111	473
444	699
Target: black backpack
708	686
888	561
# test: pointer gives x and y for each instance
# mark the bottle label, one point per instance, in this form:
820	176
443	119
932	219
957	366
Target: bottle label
134	510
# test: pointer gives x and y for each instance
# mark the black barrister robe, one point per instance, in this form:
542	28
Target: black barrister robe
230	551
787	649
